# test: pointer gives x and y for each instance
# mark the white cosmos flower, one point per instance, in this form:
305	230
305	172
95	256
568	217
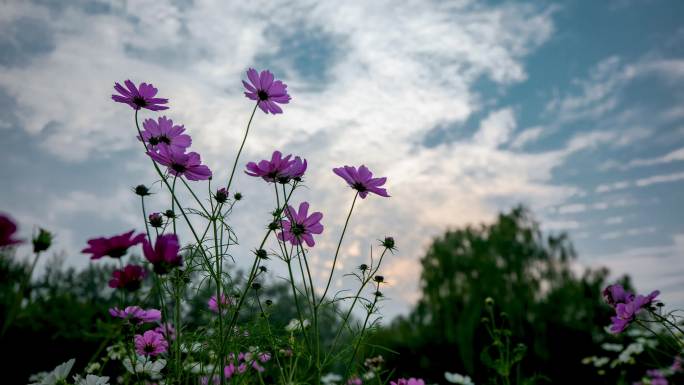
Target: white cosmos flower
58	374
456	378
144	365
330	378
91	379
296	325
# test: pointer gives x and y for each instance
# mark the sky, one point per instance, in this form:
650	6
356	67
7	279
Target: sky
469	108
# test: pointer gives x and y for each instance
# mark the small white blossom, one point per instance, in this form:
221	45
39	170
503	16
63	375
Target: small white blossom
58	374
330	378
295	324
144	365
456	378
91	379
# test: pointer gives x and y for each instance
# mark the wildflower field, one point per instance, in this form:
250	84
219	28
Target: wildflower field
164	310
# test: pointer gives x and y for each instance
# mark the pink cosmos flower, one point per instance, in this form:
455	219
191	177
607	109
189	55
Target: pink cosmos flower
150	343
362	180
136	314
7	231
181	164
115	247
225	303
299	226
162	132
215	380
139	97
266	91
167	330
626	312
229	370
164	256
615	294
354	381
129	278
279	169
410	381
264	357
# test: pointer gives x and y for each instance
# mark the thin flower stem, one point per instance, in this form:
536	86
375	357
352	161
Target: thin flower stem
339	244
314	309
147	228
196	198
16	305
363	329
668	322
272	338
244	139
345	320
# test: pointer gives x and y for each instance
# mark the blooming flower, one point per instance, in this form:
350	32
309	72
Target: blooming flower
456	378
225	303
136	314
278	169
150	343
331	379
139	97
164	256
7	231
615	294
410	381
115	247
167	330
91	379
266	91
144	365
354	381
301	226
264	357
295	324
362	180
626	312
129	278
181	164
162	132
56	376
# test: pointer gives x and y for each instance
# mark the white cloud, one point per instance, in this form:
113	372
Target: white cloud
527	136
496	128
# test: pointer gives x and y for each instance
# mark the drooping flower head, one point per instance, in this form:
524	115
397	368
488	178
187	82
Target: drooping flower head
266	91
362	180
300	226
129	278
8	230
410	381
115	247
150	343
162	132
225	303
139	97
615	294
164	256
278	169
181	164
135	314
626	312
167	330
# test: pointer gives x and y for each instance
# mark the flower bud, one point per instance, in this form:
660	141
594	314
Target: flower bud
221	195
169	214
388	243
273	226
237	196
141	190
262	254
156	220
363	267
269	302
42	241
263	269
379	278
489	301
378	293
256	286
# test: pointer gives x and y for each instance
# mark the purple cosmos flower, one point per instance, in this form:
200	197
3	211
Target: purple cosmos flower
162	132
615	294
136	314
140	97
264	357
181	164
362	180
164	256
167	330
115	247
129	278
354	381
410	381
295	171
150	343
279	168
656	377
626	312
7	231
225	303
266	91
299	226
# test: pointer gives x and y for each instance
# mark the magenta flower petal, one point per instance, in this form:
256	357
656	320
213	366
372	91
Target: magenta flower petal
298	226
139	97
162	132
136	314
279	169
181	164
164	256
151	343
129	278
362	180
8	230
267	91
115	247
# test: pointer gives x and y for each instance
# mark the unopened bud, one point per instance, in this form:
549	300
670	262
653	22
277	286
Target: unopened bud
42	241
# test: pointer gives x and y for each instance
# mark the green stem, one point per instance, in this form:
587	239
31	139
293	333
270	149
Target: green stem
363	329
242	145
339	244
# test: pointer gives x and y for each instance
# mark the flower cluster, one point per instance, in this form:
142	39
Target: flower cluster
279	169
627	305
